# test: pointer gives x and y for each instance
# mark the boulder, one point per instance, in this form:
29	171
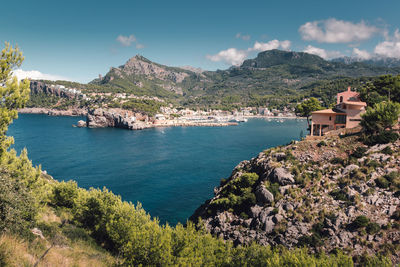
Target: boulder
81	123
263	196
282	176
349	169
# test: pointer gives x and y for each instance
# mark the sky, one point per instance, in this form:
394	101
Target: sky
78	40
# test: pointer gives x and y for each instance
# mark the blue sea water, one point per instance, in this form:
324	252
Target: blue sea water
171	171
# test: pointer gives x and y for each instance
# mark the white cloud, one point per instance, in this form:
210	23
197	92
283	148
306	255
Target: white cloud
361	54
390	47
36	75
139	46
336	31
273	44
126	40
325	54
231	56
244	37
236	57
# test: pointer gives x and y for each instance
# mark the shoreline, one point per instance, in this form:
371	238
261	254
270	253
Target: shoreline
54	112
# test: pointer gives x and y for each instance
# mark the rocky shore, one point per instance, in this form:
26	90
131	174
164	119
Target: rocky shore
101	118
53	112
328	194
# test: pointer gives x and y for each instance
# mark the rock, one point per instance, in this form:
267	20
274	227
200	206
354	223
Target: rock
349	169
255	211
263	196
277	218
280	156
81	123
268	225
37	232
282	176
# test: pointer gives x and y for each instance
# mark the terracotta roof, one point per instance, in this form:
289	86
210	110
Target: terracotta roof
324	111
356	103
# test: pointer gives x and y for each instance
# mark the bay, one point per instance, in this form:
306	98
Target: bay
171	171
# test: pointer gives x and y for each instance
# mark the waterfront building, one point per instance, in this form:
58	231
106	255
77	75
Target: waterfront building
346	114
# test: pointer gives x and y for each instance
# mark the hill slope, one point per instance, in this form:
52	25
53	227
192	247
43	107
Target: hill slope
335	193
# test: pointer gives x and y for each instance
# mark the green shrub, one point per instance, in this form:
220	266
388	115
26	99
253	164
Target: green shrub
373	164
65	194
313	240
337	160
359	152
384	137
372	228
237	194
387	150
382	182
18	208
340	194
322	143
360	221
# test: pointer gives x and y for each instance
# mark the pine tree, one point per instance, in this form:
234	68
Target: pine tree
13	94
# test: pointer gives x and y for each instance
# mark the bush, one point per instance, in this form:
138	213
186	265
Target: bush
340	194
237	194
383	137
359	152
382	182
322	143
387	150
17	206
337	160
373	228
65	194
360	221
313	240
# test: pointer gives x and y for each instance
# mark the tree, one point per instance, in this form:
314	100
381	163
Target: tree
381	117
13	94
307	107
384	88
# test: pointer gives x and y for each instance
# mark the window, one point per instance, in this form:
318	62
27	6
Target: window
330	118
340	119
341	99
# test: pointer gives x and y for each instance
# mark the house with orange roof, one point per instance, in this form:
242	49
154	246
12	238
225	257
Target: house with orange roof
346	114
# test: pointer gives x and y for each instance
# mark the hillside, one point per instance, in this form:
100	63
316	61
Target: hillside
273	74
328	194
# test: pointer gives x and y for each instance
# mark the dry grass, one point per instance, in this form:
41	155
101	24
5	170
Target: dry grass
16	252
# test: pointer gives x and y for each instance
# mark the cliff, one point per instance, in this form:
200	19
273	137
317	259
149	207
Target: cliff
329	194
38	87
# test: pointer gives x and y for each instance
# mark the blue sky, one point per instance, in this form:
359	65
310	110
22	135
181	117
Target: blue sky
77	40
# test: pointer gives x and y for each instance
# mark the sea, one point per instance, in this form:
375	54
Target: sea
170	171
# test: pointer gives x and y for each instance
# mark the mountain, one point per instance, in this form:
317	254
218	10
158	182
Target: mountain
275	77
142	75
374	61
323	194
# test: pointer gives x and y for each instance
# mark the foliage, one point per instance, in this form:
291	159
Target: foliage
306	107
360	221
64	194
237	194
386	87
382	116
372	228
17	209
14	94
359	152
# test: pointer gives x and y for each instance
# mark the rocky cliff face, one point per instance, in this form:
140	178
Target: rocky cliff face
327	194
119	118
138	68
40	87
